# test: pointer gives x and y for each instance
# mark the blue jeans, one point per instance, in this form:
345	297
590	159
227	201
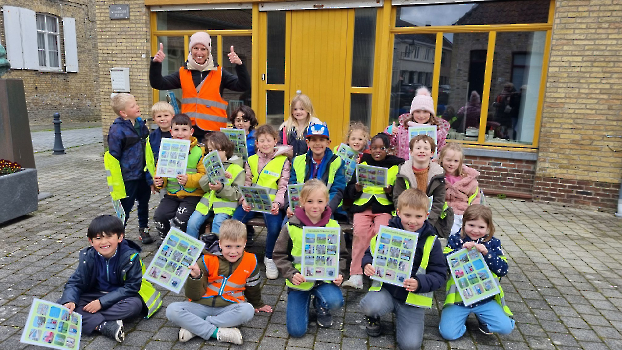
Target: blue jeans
409	319
327	296
273	226
453	319
197	219
203	320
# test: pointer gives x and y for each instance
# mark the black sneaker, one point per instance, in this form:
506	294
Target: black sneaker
324	318
113	330
144	235
373	326
484	328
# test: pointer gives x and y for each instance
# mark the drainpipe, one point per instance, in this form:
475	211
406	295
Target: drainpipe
619	212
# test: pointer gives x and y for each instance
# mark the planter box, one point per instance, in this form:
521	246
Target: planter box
19	194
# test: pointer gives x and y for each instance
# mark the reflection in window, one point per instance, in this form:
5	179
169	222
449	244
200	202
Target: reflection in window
275	64
364	41
243	48
204	20
176	55
275	103
360	108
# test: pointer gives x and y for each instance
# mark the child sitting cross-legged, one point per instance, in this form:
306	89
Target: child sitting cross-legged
224	290
410	301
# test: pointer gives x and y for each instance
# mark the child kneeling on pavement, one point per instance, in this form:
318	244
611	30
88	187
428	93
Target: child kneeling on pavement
313	211
428	274
215	309
107	286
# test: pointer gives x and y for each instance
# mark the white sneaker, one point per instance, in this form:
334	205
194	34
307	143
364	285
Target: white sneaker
271	271
185	335
355	281
229	335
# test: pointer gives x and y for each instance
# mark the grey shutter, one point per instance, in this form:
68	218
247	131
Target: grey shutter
71	44
13	36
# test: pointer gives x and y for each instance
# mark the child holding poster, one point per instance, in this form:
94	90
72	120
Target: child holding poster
409	302
107	286
492	313
216	309
243	118
288	254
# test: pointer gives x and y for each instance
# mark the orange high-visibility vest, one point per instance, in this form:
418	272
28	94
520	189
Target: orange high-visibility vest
206	108
229	288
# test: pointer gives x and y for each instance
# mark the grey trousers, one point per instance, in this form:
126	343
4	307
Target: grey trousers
203	320
124	309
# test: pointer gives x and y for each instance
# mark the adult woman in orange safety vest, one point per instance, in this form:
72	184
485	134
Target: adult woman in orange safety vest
202	83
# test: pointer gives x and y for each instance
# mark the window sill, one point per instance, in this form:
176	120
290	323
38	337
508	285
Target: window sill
50	70
516	154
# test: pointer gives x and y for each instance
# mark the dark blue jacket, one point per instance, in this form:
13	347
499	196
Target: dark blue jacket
338	188
493	259
436	273
128	147
250	143
85	279
155	139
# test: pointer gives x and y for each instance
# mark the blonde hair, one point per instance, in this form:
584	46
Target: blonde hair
453	146
358	126
311	186
478	211
232	230
305	101
162	106
413	198
119	102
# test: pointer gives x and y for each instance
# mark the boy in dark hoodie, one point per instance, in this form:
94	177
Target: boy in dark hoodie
372	205
428	274
105	287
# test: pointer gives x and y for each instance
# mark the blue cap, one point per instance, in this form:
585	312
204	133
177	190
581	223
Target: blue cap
318	130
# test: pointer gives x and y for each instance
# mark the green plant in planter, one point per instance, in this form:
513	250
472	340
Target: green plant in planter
8	167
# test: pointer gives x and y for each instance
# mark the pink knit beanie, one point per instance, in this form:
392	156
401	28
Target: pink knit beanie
200	38
423	101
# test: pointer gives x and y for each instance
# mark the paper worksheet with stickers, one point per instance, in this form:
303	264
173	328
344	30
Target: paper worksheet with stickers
169	267
173	157
258	198
393	255
368	175
52	325
320	254
238	137
472	276
349	157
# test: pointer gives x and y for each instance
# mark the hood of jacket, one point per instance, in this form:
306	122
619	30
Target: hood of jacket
233	160
469	172
387	162
433	170
300	218
278	150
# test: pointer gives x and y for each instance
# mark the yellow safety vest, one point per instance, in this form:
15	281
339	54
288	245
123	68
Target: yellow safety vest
114	178
270	174
295	234
453	296
378	191
300	167
221	206
151	297
149	159
423	300
172	186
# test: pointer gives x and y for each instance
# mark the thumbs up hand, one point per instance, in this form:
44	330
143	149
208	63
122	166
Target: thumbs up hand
233	57
159	56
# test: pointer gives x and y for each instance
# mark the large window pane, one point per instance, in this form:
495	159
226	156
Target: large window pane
360	108
515	86
364	39
243	48
204	20
485	12
413	66
276	44
275	105
176	55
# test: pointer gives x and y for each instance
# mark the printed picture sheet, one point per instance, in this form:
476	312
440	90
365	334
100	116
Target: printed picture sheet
368	175
214	169
173	157
472	276
51	325
238	137
258	198
293	193
169	267
423	129
393	255
320	254
349	157
118	208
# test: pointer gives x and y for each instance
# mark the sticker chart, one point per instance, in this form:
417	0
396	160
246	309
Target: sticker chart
118	209
238	137
169	267
368	175
393	255
51	325
213	168
293	193
258	198
472	276
423	129
320	254
173	157
349	157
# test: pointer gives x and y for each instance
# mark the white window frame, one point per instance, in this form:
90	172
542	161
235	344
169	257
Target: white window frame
46	49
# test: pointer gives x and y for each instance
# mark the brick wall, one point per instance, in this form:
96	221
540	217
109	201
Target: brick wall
582	105
509	176
123	43
74	95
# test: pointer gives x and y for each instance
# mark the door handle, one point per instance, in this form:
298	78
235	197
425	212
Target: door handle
263	77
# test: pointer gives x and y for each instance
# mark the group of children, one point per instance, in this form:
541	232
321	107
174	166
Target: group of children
223	286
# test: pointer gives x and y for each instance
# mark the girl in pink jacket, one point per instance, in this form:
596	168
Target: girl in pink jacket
461	187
